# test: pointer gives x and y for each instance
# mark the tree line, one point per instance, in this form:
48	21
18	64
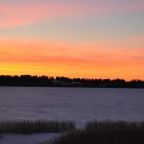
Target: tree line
45	81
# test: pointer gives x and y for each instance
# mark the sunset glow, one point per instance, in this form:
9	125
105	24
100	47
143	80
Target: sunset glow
90	39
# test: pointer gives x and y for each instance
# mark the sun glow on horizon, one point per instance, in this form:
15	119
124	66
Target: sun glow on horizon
43	58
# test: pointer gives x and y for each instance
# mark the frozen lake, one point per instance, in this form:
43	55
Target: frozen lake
76	104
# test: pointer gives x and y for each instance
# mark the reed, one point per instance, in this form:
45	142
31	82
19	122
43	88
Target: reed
114	125
35	126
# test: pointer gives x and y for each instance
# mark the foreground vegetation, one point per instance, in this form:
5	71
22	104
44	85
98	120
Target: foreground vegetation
105	133
39	126
114	125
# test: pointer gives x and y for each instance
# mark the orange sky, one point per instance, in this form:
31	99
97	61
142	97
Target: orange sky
77	38
72	60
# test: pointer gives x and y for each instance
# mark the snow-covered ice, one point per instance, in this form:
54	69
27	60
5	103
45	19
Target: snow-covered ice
76	104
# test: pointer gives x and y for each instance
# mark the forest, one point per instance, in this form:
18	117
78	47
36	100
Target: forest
45	81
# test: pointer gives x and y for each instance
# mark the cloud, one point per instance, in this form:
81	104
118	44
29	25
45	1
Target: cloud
22	14
96	54
18	14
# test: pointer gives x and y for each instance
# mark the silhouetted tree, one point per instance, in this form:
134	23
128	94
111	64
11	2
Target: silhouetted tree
45	81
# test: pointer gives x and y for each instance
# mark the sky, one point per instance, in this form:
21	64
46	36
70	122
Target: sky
72	38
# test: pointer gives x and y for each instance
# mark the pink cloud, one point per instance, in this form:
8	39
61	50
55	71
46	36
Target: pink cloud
13	15
98	54
137	38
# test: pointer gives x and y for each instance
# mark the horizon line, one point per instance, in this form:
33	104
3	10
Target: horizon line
60	76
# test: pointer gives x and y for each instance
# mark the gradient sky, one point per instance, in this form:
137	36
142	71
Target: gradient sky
74	38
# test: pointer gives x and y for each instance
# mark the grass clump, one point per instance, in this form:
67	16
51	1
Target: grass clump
105	133
114	125
37	126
